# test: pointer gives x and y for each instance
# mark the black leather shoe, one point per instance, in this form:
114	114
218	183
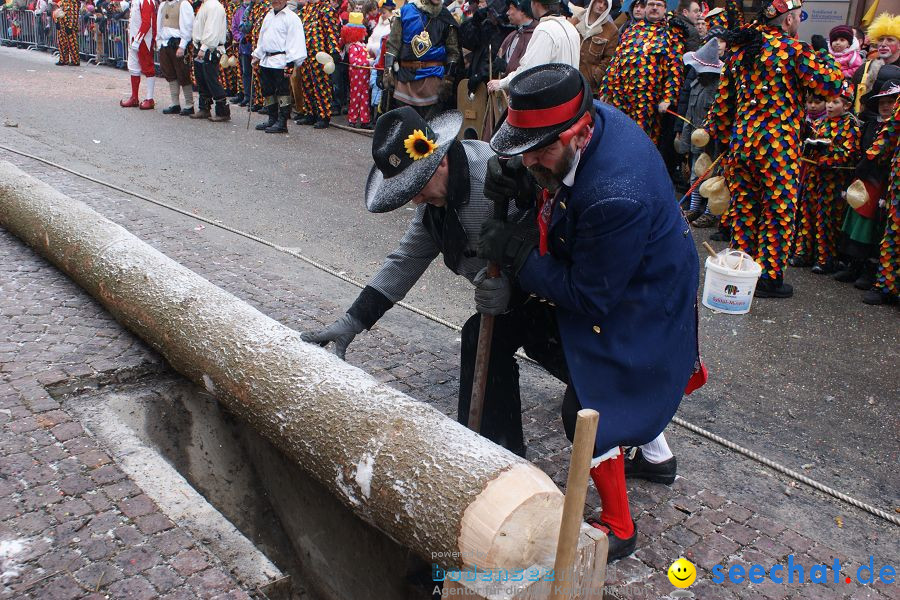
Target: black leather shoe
321	124
618	548
638	467
721	236
822	269
773	288
307	120
175	109
186	112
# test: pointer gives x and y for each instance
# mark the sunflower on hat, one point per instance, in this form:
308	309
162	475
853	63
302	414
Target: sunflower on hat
418	145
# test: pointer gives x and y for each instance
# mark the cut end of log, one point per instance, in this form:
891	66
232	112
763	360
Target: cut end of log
514	522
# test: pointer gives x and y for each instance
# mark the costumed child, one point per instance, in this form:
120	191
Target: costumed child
707	64
844	47
864	224
885	152
353	37
833	148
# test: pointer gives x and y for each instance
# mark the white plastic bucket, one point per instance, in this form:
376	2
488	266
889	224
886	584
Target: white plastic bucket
731	278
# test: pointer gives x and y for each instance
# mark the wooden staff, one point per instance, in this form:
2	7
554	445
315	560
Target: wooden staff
573	506
485	337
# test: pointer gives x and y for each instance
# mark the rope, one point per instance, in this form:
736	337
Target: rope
314	263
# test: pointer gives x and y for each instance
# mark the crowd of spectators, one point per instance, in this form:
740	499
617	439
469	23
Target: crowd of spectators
661	67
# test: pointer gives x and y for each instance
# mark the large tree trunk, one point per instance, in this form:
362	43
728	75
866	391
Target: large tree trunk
432	485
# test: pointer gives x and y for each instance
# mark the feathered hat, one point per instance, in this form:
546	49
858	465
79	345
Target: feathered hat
884	25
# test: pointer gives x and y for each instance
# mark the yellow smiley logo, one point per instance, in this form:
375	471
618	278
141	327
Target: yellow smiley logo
682	573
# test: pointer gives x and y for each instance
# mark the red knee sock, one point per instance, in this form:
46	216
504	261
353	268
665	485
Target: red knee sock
609	477
135	83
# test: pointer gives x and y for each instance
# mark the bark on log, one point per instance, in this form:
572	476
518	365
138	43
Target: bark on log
397	463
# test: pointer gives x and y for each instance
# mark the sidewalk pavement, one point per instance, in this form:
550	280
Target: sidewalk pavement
75	526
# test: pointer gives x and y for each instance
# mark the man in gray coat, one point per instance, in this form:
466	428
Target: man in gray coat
423	162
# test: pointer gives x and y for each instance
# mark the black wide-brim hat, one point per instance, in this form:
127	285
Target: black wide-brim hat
544	101
407	151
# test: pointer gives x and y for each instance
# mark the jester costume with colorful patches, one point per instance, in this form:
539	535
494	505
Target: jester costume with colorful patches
645	71
230	77
322	28
886	148
258	12
67	33
757	113
821	206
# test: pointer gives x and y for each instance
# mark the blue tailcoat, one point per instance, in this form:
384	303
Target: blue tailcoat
623	272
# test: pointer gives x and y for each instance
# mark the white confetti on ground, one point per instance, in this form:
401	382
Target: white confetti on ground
9	567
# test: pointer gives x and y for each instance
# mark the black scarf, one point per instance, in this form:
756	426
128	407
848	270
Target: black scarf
443	222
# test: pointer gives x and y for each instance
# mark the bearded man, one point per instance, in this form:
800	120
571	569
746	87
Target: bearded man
611	251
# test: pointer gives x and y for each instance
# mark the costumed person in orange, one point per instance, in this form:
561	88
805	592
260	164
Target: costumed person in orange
255	15
831	149
230	75
142	30
757	114
67	32
645	75
353	39
321	24
886	151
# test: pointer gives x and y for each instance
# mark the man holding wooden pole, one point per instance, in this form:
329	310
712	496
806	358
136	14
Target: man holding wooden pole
610	249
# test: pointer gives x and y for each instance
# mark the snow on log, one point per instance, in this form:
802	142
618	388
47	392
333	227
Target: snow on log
432	485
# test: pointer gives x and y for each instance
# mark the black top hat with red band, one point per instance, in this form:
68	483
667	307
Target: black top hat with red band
544	101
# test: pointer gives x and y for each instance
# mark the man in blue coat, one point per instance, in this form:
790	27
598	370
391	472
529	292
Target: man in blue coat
610	249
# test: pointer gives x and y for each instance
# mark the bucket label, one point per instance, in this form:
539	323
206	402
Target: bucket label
732	294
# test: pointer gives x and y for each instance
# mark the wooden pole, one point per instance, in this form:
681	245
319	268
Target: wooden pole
485	337
573	507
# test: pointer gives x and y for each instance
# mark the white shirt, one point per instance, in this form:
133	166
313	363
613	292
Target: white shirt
554	40
185	24
281	31
209	26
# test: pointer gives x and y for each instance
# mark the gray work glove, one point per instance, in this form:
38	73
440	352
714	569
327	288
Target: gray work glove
341	332
491	293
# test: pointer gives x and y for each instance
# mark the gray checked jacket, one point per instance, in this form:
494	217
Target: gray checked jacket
418	248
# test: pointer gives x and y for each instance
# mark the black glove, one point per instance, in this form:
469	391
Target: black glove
819	43
508	244
341	332
509	179
491	293
867	169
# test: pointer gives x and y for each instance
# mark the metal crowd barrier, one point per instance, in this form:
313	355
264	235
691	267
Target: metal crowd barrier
100	39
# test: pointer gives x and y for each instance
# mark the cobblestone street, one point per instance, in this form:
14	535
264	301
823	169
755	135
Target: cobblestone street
75	526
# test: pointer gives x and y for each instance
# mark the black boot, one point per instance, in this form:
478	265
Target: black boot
850	272
876	297
272	111
280	126
175	109
773	288
867	277
223	111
